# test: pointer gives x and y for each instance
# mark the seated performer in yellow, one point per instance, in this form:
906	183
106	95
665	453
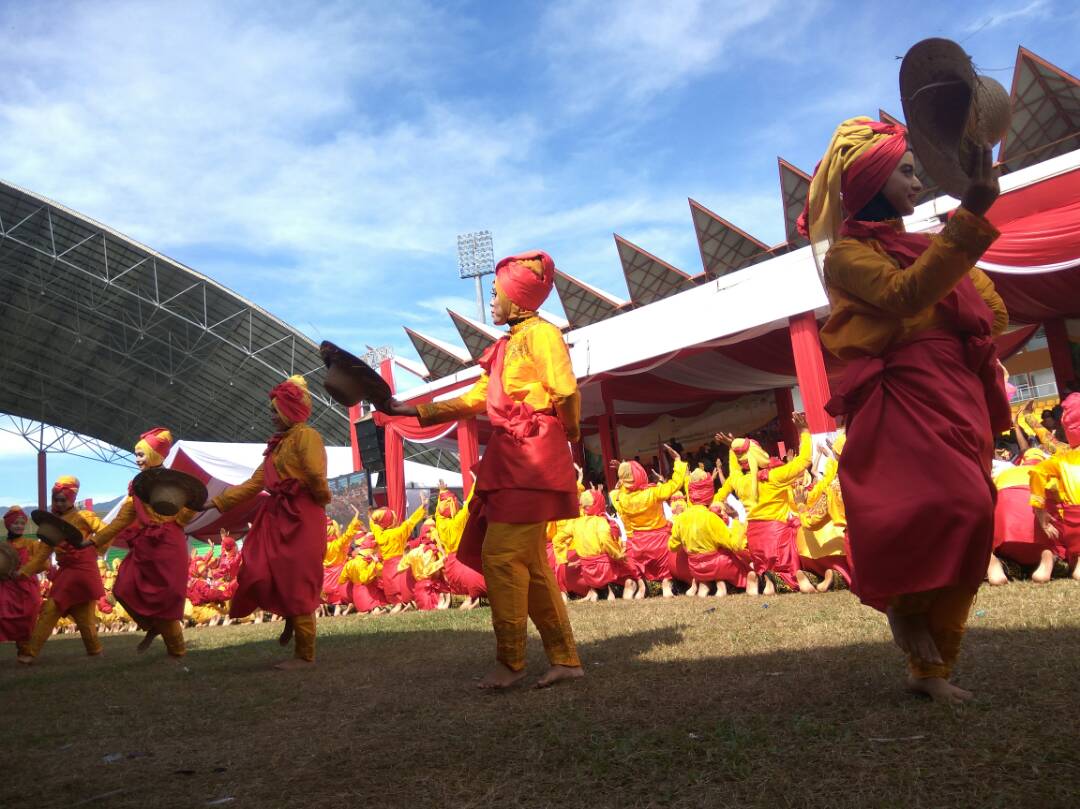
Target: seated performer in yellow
712	553
392	536
526	477
450	517
281	565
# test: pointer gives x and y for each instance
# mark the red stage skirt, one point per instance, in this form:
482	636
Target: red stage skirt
426	593
1069	525
648	552
720	565
77	579
916	467
366	597
397	586
1016	536
821	565
773	548
333	591
20	603
152	579
281	563
596	573
679	564
462	579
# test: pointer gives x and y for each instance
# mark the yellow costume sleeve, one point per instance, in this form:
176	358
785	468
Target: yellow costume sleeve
1041	476
241	493
873	278
124	518
38	562
470	403
414	520
552	360
312	453
989	294
676	540
793	470
662	491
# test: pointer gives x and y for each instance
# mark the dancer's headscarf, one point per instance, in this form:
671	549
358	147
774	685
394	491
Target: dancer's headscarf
292	400
155	445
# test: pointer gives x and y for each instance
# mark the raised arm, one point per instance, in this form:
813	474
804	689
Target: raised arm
793	470
126	516
241	493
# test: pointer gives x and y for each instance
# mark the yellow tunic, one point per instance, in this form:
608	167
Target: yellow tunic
643	510
591	536
423	562
88	524
337	550
1014	476
536	370
737	483
300	455
699	530
392	541
451	528
774	494
560	534
126	516
1061	470
875	303
363	568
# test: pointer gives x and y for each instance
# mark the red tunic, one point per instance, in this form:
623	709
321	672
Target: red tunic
152	579
20	602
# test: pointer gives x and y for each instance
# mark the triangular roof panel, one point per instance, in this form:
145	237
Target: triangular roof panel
584	304
794	186
1045	113
648	278
476	336
724	247
441	359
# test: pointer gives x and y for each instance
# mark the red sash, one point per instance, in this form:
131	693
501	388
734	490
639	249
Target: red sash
527	472
152	579
20	602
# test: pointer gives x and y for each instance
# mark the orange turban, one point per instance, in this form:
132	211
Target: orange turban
860	157
1070	419
633	476
292	400
11	515
701	487
385	518
155	445
69	485
526	279
448	504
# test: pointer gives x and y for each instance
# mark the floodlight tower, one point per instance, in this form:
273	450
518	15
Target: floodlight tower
476	258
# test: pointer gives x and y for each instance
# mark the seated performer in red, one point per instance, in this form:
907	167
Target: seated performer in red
1017	537
77	585
450	517
526	477
599	557
20	596
922	389
151	584
1060	520
392	535
711	553
362	578
281	562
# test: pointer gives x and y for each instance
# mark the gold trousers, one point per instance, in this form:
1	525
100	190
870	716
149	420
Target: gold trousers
946	610
82	614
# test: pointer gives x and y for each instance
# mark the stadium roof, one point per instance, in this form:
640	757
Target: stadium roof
476	336
794	187
583	303
1046	113
441	359
106	337
724	247
648	278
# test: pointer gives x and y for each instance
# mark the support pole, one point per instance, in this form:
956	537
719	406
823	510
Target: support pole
810	370
480	310
468	437
394	453
354	416
42	481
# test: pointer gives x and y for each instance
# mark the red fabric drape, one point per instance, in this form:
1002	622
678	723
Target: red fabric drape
394	448
1057	342
354	415
810	370
1011	342
609	444
468	451
785	406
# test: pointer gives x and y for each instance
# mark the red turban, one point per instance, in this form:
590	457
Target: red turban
633	476
292	400
1070	419
69	485
228	544
11	515
384	518
701	489
871	170
448	504
521	284
155	444
368	542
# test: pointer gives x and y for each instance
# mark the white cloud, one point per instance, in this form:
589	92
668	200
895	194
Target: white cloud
1000	16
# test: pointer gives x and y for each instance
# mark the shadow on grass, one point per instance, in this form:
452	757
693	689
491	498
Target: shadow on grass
391	718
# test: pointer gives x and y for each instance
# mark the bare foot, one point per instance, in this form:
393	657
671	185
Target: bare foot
1076	571
294	663
995	573
666	586
939	690
1045	569
394	610
692	590
805	585
628	590
911	634
642	590
826	582
751	583
500	678
703	589
565	598
286	633
770	588
26	660
721	589
558	674
144	644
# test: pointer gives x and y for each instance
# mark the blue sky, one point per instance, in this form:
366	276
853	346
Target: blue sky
321	158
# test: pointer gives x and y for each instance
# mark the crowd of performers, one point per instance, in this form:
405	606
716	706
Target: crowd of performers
922	390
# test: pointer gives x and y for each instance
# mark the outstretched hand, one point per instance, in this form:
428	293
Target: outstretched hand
983	189
724	438
674	453
393	407
800	422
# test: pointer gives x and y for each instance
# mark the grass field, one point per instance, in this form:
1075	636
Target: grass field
786	701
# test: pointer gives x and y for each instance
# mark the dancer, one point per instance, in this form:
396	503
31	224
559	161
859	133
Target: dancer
151	583
640	506
1017	536
362	576
711	554
77	585
1062	470
392	535
20	595
526	477
599	557
425	563
922	389
281	563
334	597
822	536
450	517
